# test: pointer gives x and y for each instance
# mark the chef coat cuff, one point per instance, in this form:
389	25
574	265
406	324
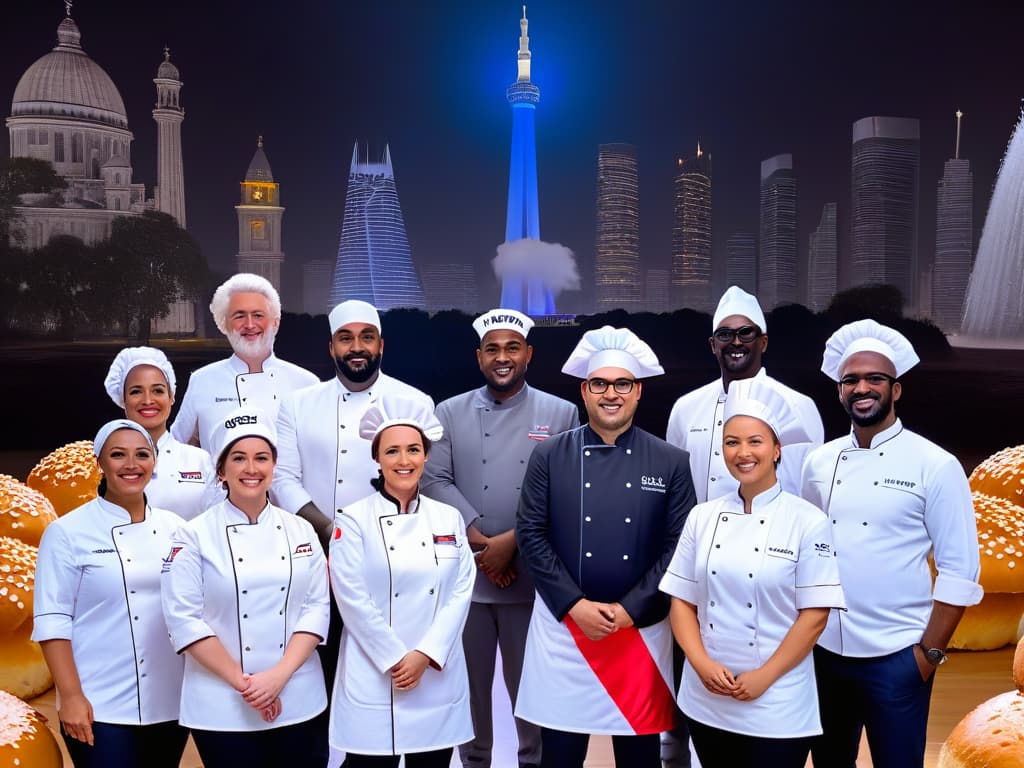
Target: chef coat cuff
820	596
291	497
313	625
51	626
675	585
956	590
190	632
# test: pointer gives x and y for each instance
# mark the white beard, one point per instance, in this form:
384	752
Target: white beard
261	349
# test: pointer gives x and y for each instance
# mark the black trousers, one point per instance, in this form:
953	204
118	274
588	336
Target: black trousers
295	746
562	749
438	758
132	746
717	748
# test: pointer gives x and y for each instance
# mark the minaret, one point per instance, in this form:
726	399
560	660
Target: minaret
259	221
170	179
520	291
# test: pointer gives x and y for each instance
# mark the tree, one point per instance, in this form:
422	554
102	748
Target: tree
148	263
60	284
878	301
20	175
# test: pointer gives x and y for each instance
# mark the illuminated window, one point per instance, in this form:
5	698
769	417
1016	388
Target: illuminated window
258	229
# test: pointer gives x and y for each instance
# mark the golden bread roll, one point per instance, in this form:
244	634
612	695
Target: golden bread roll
23	671
24	511
1002	475
25	740
990	736
993	622
67	477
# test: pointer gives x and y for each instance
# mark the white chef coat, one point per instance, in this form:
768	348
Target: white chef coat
226	385
252	585
695	425
320	455
890	505
403	582
749	576
98	585
183	481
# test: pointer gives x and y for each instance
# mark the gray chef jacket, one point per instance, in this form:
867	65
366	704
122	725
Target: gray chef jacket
479	463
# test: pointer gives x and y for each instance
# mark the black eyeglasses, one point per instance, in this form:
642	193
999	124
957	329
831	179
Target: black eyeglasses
621	386
873	379
746	334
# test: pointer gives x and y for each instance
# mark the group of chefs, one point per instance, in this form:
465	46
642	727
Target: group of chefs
744	584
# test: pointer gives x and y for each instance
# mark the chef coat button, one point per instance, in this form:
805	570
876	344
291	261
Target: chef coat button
844	458
717	453
725	519
136	618
120	533
392	547
750	644
712	603
423	543
589	555
587	518
876	482
338	511
281	612
485	461
280	645
762	522
390	522
142	661
248	648
245	615
282	557
586	453
279	527
487	434
586	485
713	479
750	605
282	589
246	591
750	575
718	546
431	591
629	451
865	522
834	522
839	482
142	675
239	559
132	591
713	573
881	453
396	594
629	485
719	423
342	426
485	487
625	557
344	450
339	481
757	549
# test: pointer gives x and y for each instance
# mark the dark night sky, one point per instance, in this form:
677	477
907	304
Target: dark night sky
750	79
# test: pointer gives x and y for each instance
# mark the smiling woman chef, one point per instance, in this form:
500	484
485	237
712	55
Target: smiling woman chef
403	575
246	598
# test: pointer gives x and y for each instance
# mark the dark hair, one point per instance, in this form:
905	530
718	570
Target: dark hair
101	489
222	459
375	444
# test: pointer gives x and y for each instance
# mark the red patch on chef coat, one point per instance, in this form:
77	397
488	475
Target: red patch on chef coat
539	432
303	550
447	538
337	533
623	664
170	559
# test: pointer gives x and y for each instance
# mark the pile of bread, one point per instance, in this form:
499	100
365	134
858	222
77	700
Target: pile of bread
60	482
997	485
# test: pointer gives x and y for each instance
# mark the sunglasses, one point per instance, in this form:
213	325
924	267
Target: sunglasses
746	334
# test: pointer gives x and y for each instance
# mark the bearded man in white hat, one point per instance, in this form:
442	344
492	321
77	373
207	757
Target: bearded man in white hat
477	466
601	510
893	498
738	341
246	309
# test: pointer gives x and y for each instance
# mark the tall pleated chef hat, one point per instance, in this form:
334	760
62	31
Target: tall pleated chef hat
609	347
502	320
392	411
242	422
867	336
758	398
736	301
130	357
112	426
354	311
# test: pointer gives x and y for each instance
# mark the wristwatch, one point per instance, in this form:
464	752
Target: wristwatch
934	656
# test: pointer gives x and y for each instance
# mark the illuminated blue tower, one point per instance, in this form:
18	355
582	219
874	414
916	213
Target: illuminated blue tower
374	263
518	290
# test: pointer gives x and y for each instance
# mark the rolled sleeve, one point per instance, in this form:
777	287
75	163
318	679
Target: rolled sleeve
949	518
286	487
315	616
181	591
679	580
56	586
817	571
957	590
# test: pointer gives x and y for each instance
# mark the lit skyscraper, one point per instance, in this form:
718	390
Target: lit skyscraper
260	219
884	205
954	240
451	286
521	291
656	290
617	241
822	261
691	233
741	261
374	263
776	265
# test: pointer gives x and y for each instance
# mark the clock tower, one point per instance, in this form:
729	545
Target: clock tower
259	221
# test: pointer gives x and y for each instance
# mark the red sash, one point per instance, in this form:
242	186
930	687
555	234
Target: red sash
628	673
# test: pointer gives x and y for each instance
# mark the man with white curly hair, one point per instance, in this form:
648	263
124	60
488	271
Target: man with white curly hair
247	310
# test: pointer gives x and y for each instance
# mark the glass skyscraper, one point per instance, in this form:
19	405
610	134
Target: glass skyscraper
519	290
776	262
617	246
374	263
823	261
691	234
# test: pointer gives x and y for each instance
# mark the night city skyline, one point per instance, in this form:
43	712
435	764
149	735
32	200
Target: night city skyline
748	83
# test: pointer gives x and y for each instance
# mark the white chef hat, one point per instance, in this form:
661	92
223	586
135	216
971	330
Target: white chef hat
354	311
128	358
736	301
612	347
242	422
867	336
394	410
758	398
502	320
113	426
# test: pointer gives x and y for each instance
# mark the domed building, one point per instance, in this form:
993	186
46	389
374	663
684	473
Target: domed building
66	110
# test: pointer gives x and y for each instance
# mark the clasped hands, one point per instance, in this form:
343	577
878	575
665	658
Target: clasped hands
745	686
598	620
493	555
262	692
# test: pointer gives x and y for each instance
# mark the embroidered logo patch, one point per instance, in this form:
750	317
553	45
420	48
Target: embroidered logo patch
191	477
170	559
539	432
651	483
446	538
303	550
